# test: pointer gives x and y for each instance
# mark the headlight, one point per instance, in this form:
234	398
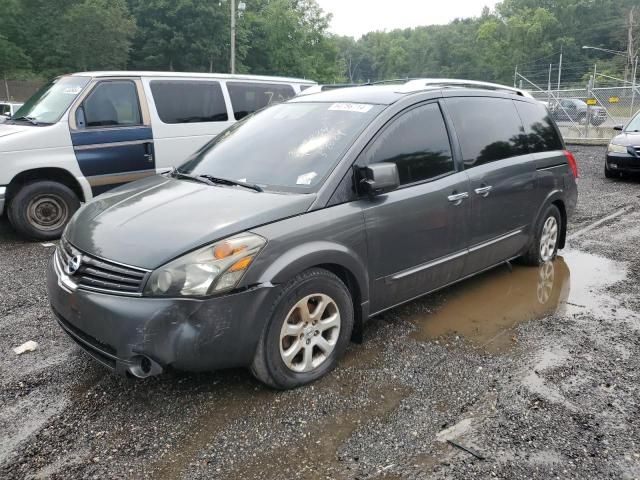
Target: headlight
213	269
613	148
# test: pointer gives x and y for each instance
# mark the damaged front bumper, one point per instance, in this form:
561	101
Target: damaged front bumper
143	336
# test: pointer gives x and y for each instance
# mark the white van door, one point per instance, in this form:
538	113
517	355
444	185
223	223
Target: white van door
186	114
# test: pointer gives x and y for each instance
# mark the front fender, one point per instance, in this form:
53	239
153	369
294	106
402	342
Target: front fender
313	254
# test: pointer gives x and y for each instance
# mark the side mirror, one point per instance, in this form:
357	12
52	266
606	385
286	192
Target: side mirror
379	178
619	128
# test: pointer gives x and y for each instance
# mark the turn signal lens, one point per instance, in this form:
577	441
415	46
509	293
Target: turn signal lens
241	264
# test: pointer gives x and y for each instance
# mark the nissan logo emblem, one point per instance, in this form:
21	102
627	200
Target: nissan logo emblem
74	264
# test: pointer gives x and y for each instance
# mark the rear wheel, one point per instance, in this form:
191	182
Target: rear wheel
40	210
544	246
309	329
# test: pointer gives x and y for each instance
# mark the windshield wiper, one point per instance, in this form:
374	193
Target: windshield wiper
226	181
31	120
178	174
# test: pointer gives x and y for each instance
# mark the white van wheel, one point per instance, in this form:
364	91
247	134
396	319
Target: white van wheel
41	209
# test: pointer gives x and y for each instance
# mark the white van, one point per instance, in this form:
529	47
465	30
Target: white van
85	133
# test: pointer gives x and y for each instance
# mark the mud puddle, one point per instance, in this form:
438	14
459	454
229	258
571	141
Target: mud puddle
315	454
486	309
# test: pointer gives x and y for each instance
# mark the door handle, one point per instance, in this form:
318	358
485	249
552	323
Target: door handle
457	198
148	152
484	191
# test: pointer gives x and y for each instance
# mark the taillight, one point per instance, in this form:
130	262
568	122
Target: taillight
571	160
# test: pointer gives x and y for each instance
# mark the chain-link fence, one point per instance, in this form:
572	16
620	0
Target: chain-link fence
592	112
18	90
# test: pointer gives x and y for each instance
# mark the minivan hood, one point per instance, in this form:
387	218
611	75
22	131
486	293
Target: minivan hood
149	222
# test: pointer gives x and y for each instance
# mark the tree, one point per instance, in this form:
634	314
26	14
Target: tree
97	35
12	60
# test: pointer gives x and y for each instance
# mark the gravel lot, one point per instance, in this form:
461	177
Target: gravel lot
535	373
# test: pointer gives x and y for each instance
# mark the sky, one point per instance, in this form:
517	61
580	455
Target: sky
357	17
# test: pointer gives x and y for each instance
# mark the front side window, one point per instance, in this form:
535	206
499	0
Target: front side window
186	101
540	135
417	142
247	97
290	147
5	109
49	103
489	129
111	104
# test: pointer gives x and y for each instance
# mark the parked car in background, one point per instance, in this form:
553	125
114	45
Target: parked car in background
623	153
85	133
576	110
7	109
276	242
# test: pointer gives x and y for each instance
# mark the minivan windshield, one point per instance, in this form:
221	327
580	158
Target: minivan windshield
290	147
49	103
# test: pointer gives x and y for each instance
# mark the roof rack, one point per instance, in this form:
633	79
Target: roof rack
421	83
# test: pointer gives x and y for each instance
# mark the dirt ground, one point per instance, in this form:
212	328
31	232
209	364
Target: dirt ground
517	373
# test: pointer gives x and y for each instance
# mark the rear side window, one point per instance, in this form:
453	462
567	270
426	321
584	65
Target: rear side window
247	98
540	135
112	104
4	109
189	101
489	129
417	142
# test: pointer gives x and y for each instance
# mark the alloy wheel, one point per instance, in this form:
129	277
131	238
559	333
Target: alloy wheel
548	239
310	333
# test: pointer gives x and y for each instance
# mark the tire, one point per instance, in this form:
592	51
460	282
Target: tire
41	209
304	291
544	248
609	174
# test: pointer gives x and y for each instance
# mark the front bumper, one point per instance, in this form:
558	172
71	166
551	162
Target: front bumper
623	162
3	195
185	334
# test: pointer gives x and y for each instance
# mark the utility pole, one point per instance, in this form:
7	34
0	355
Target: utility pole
549	86
633	87
559	71
515	77
630	44
233	37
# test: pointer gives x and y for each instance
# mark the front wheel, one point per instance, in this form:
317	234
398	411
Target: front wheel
609	174
309	330
544	246
40	210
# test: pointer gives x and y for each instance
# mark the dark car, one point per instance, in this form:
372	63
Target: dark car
274	244
623	153
576	110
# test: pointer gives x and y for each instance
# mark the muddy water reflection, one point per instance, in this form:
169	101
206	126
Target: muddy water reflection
485	309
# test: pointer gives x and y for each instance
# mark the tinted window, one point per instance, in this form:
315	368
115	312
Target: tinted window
540	134
4	109
489	129
247	98
285	147
417	143
189	101
112	104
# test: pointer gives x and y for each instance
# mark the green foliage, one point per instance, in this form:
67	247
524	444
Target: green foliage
290	37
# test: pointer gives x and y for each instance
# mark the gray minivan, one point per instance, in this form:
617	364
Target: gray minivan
273	245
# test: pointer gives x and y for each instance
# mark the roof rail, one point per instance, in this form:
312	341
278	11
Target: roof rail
420	84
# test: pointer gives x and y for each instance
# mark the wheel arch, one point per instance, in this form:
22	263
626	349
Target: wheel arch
555	198
337	259
53	174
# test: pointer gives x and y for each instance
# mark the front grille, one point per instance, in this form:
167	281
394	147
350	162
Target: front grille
101	275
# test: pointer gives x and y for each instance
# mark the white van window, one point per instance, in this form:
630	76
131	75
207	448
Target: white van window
189	101
247	98
112	103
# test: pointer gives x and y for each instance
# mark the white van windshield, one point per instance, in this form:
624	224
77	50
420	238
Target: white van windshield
49	103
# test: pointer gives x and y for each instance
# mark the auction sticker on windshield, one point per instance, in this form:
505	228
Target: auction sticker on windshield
351	107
